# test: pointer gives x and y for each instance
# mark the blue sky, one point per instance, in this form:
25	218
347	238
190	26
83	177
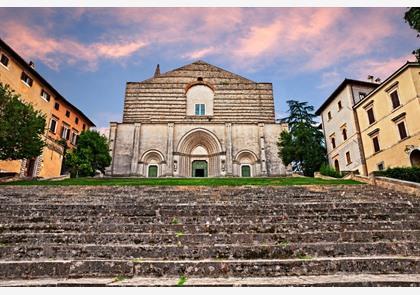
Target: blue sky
88	54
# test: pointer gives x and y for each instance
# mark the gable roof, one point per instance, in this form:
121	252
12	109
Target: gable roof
29	69
340	88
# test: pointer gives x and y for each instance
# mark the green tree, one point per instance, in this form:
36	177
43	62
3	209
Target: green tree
21	127
91	154
412	17
303	145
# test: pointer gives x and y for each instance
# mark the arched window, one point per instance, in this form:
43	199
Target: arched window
200	100
336	165
344	131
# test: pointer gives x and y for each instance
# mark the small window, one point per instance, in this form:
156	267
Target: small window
65	132
348	158
84	127
200	109
329	116
57	106
344	132
74	138
53	125
376	146
362	95
76	120
395	99
4	60
381	166
45	95
200	79
67	114
402	130
371	116
333	142
340	106
26	79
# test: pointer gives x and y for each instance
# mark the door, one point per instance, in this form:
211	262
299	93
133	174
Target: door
246	171
199	169
30	167
153	171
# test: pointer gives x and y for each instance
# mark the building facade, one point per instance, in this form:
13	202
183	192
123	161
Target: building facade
389	119
64	121
196	121
340	125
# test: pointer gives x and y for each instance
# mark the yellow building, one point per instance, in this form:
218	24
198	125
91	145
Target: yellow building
389	121
64	120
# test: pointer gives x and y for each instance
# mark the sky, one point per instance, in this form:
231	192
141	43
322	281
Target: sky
88	54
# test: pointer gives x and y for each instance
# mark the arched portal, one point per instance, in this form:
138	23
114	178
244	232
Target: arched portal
336	165
151	163
245	164
415	158
199	146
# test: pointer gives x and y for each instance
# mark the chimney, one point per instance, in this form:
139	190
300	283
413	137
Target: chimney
378	80
32	64
370	78
157	71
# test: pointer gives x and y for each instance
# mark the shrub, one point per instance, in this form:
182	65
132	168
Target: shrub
328	170
403	173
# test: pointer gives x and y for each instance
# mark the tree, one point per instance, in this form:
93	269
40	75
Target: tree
91	154
21	127
303	145
412	17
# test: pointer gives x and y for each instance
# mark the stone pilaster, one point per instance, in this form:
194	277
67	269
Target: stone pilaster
229	159
111	145
263	157
170	150
136	148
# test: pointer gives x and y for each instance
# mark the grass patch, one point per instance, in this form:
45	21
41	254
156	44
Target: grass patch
272	181
284	244
175	221
179	234
119	278
182	280
304	256
137	260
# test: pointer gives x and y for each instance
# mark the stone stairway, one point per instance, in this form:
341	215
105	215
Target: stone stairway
356	235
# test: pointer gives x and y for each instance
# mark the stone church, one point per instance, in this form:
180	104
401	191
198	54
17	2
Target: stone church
196	121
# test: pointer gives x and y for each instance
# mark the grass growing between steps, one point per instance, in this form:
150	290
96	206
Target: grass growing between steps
278	181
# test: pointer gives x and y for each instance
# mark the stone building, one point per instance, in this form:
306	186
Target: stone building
64	120
196	121
340	126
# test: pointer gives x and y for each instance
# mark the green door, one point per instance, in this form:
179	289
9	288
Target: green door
199	169
246	171
153	169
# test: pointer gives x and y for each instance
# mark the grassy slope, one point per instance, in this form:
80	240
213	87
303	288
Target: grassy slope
189	181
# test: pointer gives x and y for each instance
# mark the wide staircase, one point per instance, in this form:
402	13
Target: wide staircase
356	235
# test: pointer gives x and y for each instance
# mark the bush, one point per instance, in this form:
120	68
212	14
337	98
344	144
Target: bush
328	170
403	173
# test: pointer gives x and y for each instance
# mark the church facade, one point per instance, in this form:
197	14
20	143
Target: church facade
196	121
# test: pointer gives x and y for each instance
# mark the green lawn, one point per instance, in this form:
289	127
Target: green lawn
190	181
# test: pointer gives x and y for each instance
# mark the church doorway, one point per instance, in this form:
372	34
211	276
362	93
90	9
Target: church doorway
152	171
199	168
246	171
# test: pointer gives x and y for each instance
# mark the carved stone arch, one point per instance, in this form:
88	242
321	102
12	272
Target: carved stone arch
150	159
244	155
245	159
152	155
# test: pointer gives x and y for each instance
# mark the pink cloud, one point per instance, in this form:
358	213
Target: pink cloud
197	54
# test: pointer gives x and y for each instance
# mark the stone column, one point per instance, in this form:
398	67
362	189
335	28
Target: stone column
136	149
111	146
262	149
170	150
229	159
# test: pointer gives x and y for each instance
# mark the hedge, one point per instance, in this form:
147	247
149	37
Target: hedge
403	173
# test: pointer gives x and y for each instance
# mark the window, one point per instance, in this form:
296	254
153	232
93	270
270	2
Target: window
329	116
395	99
67	114
57	106
371	116
381	166
84	127
402	130
344	132
76	120
65	132
4	60
45	95
200	109
74	137
26	79
53	125
348	158
340	106
333	142
362	95
375	142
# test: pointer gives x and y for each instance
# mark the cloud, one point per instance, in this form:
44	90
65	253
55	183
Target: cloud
197	54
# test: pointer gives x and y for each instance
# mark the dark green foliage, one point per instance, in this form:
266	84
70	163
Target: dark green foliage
403	173
327	170
21	127
303	146
91	154
412	17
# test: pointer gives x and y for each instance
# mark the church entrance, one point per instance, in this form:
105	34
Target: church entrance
199	168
